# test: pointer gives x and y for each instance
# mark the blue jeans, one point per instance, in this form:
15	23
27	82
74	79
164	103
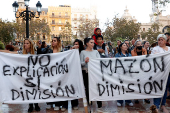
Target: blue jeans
157	101
121	101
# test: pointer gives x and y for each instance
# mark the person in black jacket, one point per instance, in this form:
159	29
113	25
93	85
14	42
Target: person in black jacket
42	48
103	52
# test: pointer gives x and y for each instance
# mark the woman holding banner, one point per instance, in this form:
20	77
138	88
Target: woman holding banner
28	48
85	55
78	44
56	48
161	48
123	52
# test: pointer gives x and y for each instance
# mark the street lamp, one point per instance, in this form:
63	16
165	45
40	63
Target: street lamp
26	2
15	6
27	15
38	5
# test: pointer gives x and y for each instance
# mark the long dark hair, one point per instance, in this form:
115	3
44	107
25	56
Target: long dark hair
81	47
86	40
119	50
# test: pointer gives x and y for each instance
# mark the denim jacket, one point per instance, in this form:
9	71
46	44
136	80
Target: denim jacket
122	55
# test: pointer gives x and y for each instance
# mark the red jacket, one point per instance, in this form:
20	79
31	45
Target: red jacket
94	36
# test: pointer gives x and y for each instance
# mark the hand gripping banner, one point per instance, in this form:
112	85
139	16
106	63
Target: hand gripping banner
40	78
128	78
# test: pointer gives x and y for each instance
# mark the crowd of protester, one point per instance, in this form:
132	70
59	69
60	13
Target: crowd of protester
95	47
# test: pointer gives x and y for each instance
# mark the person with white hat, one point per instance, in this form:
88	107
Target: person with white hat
161	48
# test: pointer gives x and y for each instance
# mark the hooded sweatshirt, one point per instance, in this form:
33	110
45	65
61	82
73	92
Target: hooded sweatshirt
94	36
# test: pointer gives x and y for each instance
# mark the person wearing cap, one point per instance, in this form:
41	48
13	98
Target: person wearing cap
161	48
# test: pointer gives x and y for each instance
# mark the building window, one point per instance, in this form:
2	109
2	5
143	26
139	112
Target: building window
81	17
75	16
59	28
52	36
143	29
59	14
53	28
43	37
87	17
66	13
53	14
53	21
60	21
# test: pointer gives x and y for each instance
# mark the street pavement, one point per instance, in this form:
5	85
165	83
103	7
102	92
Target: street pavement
108	107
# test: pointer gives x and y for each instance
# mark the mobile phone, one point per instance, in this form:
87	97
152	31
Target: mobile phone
40	42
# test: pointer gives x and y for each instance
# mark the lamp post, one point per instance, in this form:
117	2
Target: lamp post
27	15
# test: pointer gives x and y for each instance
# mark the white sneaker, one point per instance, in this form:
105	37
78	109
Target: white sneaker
63	109
56	108
48	107
75	108
119	104
130	104
100	110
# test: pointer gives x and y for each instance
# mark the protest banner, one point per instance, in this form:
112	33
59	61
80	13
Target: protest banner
126	78
40	78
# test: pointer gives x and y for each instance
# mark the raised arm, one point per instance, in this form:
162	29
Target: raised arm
6	51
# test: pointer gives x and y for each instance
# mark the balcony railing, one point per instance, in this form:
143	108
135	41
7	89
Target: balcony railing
53	24
59	24
59	16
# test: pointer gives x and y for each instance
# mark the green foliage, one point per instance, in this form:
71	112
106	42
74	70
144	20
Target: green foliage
1	46
151	34
168	30
36	27
118	38
121	28
6	31
66	34
86	27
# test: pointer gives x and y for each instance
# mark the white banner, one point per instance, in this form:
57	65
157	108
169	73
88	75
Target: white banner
40	78
126	78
